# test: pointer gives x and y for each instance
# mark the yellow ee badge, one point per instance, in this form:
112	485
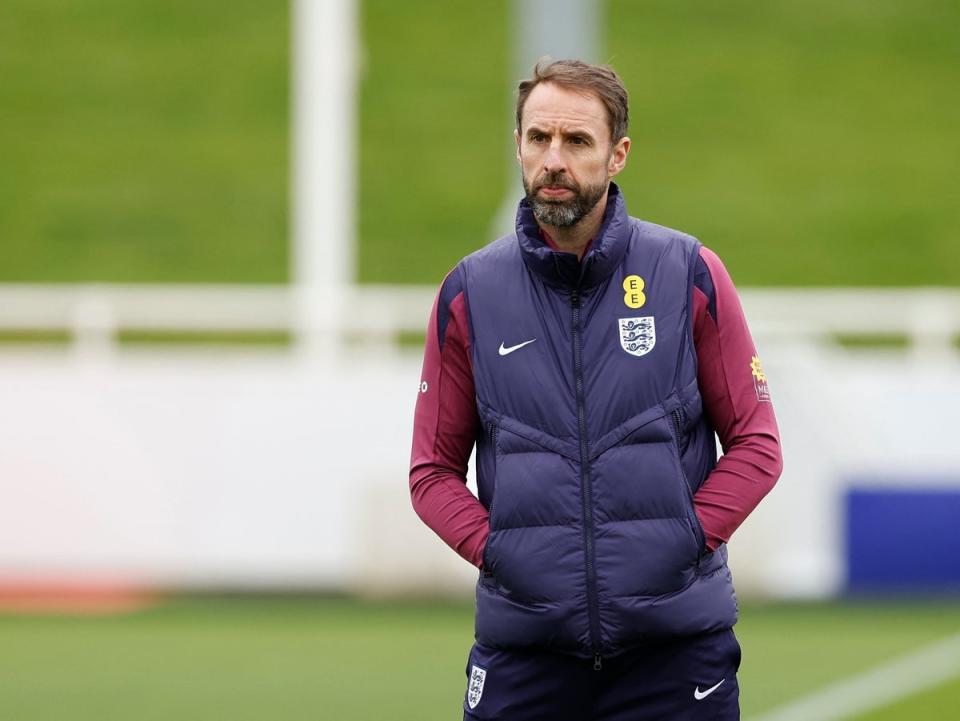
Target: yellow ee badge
634	297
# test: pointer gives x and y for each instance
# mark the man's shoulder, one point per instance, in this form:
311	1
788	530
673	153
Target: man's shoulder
503	246
645	230
502	249
499	250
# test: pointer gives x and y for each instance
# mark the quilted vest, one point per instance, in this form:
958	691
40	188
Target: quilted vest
594	441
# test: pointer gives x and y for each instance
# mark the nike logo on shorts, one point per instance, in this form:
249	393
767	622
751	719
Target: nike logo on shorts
700	695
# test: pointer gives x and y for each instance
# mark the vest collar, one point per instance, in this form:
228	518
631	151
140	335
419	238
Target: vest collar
564	269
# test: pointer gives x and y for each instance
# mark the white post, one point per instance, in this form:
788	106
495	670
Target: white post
561	29
323	169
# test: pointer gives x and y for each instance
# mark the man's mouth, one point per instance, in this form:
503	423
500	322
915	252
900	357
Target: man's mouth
555	191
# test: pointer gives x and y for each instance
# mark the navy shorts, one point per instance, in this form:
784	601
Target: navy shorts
679	679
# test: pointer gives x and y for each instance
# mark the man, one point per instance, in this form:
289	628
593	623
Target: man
591	357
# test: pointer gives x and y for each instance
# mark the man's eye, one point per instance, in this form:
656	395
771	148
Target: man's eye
577	140
539	138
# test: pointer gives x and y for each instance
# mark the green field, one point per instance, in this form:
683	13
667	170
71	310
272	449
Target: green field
342	660
810	143
143	141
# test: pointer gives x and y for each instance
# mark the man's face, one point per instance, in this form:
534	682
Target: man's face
565	153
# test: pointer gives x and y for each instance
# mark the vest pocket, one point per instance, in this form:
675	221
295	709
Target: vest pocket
680	443
486	575
697	528
678	422
493	432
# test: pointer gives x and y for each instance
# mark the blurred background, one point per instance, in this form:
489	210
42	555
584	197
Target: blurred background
221	231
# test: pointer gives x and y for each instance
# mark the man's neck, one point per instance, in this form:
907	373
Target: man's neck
576	238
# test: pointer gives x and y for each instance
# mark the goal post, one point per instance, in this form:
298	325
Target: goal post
323	165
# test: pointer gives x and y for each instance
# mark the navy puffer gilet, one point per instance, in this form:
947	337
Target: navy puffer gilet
594	441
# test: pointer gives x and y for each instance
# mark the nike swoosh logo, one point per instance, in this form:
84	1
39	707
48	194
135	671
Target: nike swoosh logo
700	695
511	349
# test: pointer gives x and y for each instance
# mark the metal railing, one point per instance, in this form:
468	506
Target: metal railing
927	319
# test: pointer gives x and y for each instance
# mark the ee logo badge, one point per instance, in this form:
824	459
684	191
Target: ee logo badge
634	297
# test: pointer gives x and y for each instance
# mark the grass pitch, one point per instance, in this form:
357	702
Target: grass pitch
143	141
343	660
810	143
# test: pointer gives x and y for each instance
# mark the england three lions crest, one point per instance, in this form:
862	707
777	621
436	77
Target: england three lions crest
478	675
638	336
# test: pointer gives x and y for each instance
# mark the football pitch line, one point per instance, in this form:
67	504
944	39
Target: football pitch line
880	686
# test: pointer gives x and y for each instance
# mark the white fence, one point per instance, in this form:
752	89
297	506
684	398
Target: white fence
286	466
929	319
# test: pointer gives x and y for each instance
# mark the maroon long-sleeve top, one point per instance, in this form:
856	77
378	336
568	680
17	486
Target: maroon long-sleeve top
735	396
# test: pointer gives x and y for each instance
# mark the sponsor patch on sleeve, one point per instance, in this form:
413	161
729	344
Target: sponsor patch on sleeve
760	384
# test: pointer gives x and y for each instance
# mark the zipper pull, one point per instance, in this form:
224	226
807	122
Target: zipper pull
597	662
575	297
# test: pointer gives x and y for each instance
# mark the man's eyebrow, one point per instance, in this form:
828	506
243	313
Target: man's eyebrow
583	132
567	132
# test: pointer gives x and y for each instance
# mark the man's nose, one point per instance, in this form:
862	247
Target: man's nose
553	161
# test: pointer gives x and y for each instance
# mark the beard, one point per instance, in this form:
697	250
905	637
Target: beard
558	212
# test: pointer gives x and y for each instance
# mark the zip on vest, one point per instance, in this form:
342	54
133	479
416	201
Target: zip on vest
677	418
586	492
493	444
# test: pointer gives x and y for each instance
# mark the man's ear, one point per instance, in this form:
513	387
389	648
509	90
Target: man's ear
618	156
516	138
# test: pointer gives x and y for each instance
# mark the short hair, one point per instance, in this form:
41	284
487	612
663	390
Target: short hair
600	80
